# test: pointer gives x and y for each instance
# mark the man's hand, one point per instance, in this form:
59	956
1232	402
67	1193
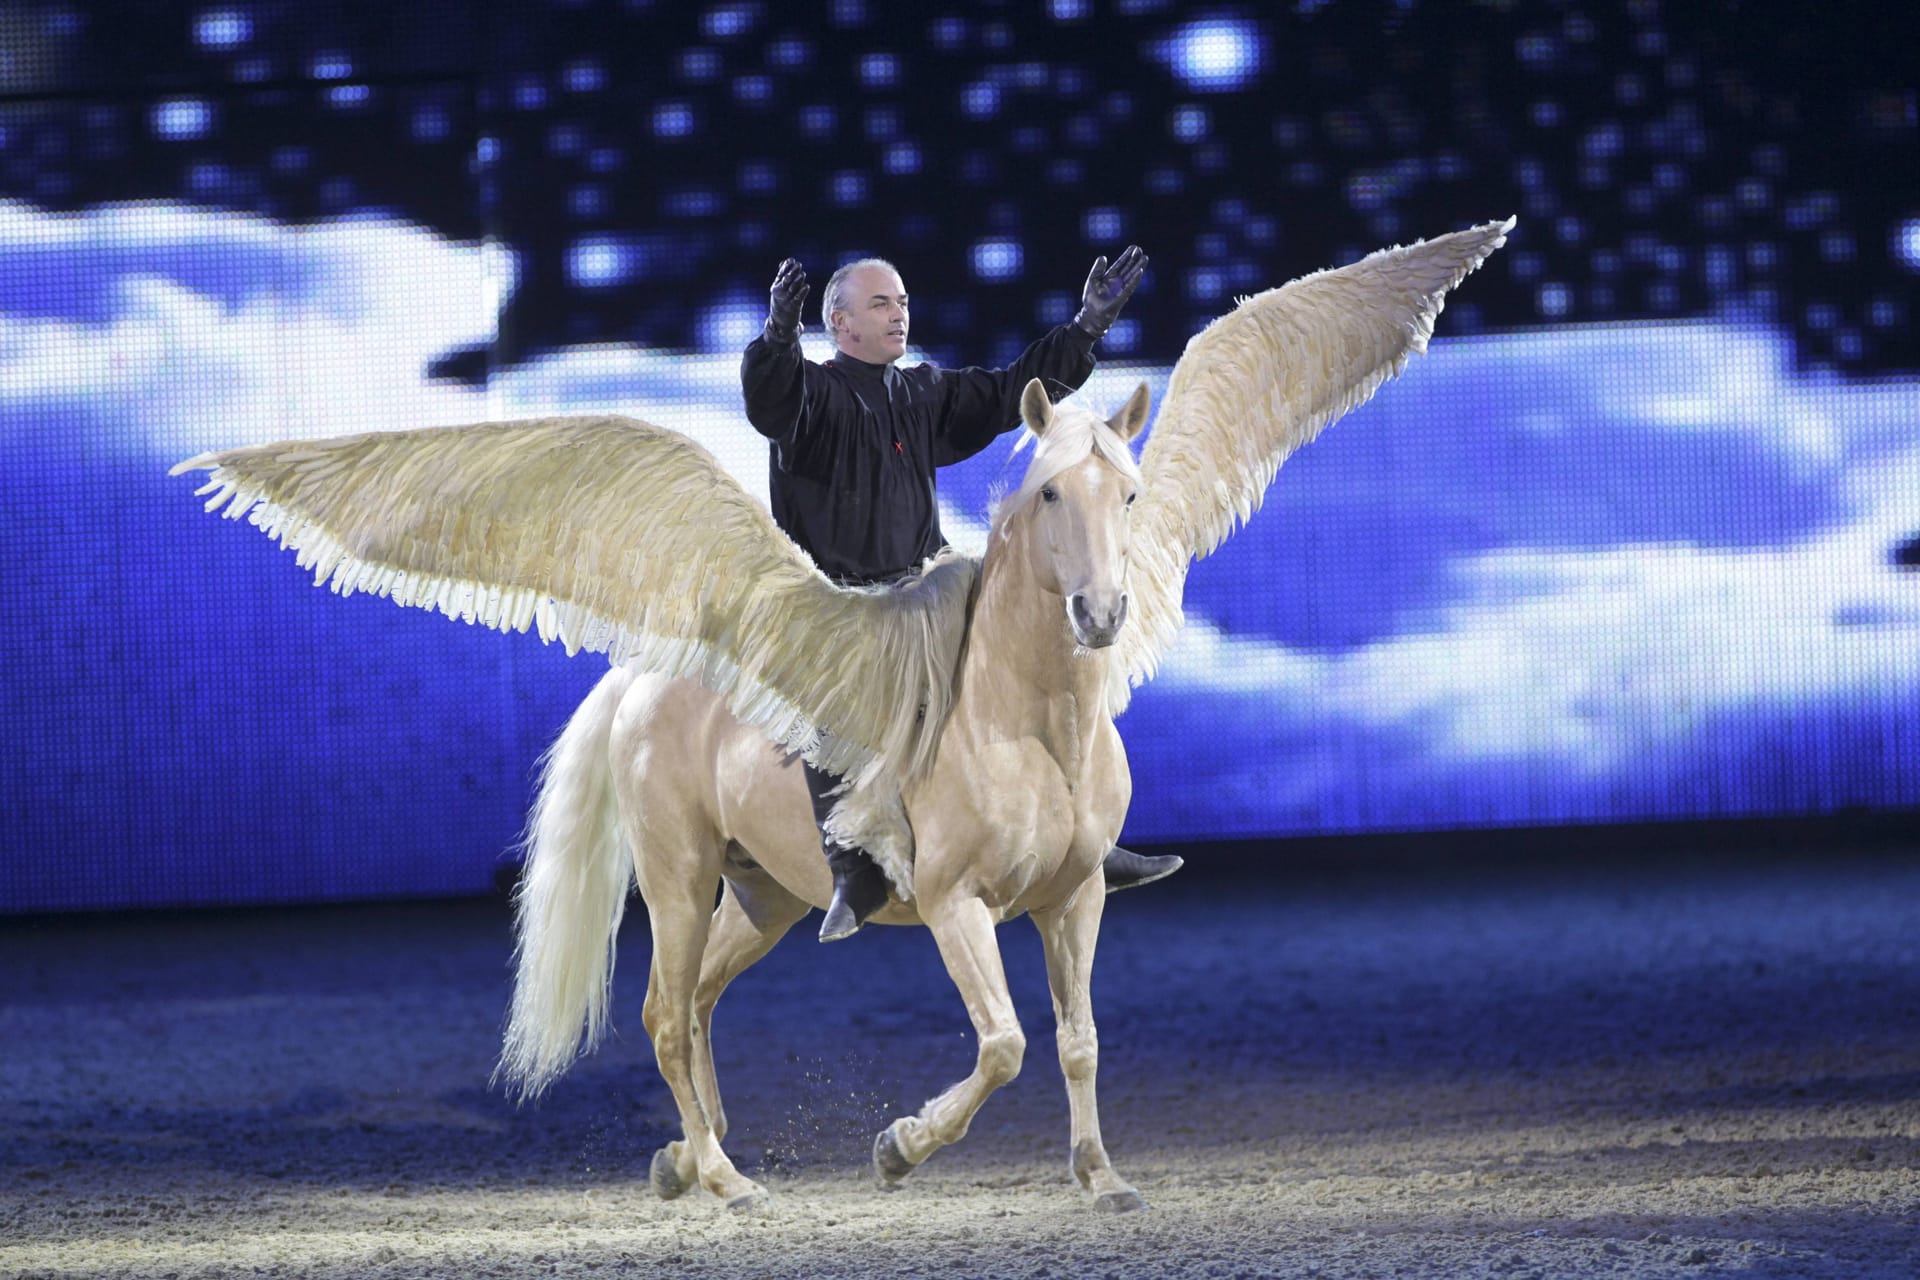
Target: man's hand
1108	288
784	300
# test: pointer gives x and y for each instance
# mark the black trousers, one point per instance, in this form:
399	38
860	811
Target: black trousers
819	784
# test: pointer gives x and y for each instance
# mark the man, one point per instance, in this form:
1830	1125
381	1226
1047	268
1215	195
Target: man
855	443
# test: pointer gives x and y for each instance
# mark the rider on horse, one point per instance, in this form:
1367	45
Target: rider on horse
855	442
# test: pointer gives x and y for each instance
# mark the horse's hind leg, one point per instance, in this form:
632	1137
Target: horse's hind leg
754	913
678	911
1068	936
964	930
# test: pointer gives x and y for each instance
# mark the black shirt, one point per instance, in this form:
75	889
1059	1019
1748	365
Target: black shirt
855	444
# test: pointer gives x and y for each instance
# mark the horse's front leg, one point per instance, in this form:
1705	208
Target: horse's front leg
963	927
1068	935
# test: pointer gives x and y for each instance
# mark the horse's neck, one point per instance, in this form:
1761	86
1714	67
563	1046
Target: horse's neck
1020	677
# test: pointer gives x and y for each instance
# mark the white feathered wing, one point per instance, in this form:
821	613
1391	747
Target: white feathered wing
618	536
1252	387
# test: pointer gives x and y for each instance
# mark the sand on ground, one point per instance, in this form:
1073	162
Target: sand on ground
1688	1070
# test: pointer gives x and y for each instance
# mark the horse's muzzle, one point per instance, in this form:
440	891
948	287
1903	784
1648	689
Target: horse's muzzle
1094	627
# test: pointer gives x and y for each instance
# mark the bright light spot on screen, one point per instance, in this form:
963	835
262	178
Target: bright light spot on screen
1189	123
731	20
349	95
223	28
431	124
997	259
672	120
330	66
587	202
599	262
849	187
879	70
585	76
789	52
731	324
180	118
980	100
1215	54
1553	300
1906	244
1102	224
1123	336
695	202
903	157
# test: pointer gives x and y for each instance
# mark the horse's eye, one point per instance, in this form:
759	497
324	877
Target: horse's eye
1131	497
1049	494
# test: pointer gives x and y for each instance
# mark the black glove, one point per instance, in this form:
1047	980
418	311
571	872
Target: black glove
784	300
1108	288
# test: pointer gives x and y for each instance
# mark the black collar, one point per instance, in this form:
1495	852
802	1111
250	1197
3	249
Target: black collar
859	368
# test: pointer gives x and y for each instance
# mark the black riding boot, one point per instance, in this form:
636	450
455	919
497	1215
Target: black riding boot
1125	869
859	889
859	886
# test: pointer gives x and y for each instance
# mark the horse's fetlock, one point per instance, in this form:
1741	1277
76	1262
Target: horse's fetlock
1089	1157
1001	1054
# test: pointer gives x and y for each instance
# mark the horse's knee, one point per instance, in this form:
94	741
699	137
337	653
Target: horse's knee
1001	1054
1079	1053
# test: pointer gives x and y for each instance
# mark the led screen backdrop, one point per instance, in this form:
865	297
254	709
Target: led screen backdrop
1636	540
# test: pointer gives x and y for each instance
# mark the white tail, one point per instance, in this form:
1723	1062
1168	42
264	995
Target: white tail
572	895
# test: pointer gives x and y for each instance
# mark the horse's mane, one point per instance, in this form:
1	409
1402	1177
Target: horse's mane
1075	432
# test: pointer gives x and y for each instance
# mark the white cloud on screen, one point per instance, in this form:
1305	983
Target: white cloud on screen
1585	656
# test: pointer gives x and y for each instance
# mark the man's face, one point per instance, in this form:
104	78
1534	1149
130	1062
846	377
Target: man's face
872	326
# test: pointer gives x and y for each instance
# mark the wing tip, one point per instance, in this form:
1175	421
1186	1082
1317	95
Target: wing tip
198	462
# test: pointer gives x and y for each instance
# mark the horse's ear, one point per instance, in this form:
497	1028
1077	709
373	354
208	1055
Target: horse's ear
1132	418
1035	409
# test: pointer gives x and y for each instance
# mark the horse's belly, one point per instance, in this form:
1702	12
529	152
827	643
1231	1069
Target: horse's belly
764	809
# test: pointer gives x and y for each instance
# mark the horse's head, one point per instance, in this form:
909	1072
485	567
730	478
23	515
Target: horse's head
1075	501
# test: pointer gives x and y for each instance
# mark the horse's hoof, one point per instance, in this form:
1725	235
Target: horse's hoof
750	1201
665	1176
890	1164
1119	1202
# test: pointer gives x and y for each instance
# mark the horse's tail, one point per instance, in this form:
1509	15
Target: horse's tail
572	895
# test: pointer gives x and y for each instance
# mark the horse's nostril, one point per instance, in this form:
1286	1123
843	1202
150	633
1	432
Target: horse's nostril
1120	614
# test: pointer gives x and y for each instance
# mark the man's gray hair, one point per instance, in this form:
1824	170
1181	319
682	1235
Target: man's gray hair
833	298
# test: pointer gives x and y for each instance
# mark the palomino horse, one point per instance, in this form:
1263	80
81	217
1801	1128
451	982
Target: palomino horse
993	724
1027	792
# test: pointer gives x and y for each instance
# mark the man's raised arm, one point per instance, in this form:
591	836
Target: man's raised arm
773	372
983	403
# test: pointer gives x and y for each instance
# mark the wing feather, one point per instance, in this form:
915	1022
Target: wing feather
616	536
1252	387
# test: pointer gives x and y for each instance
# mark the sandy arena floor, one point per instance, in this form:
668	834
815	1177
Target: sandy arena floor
1687	1071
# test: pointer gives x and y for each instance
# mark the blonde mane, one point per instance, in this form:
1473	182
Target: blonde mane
1076	432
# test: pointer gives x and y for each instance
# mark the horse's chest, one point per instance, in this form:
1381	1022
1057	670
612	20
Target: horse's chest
1031	826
